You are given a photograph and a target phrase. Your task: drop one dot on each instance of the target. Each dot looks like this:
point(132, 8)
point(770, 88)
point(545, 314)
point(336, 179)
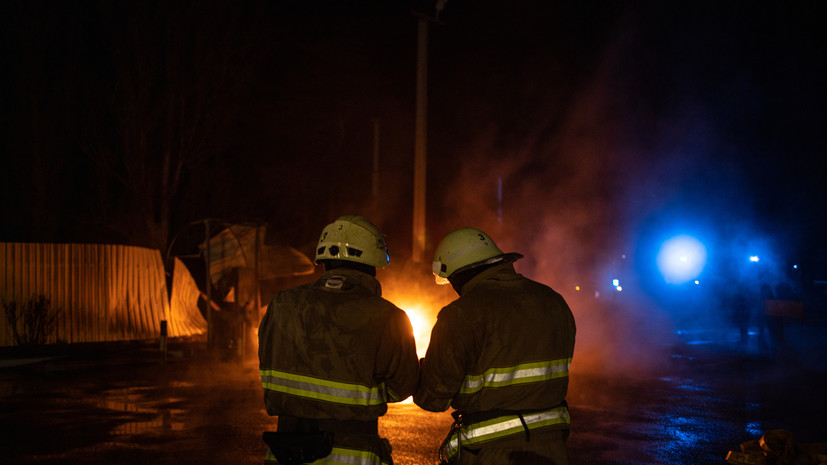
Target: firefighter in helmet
point(333, 352)
point(500, 356)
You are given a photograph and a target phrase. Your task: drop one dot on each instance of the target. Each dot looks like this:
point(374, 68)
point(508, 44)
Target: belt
point(476, 417)
point(478, 427)
point(300, 424)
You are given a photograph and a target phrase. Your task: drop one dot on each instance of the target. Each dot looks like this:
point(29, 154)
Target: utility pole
point(421, 131)
point(207, 260)
point(375, 181)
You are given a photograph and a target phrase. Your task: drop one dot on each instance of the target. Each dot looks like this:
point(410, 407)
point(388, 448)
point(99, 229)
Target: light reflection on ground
point(414, 433)
point(150, 416)
point(196, 409)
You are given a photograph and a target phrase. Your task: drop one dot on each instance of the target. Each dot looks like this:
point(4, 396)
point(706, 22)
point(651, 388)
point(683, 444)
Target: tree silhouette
point(170, 82)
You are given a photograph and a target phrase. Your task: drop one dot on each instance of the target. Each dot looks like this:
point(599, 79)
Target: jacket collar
point(501, 272)
point(351, 278)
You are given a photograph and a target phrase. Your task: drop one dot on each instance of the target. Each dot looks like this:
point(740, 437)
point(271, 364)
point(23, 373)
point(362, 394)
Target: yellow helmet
point(353, 238)
point(464, 249)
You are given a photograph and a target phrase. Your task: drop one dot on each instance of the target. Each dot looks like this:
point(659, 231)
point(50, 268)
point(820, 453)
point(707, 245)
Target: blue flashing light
point(615, 282)
point(754, 258)
point(681, 259)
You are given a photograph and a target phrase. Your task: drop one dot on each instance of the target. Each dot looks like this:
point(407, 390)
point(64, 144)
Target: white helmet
point(464, 249)
point(353, 238)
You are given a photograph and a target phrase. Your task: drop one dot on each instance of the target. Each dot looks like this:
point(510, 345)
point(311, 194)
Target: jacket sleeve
point(442, 371)
point(397, 365)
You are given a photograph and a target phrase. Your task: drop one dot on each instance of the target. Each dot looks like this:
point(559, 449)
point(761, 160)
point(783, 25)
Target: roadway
point(127, 404)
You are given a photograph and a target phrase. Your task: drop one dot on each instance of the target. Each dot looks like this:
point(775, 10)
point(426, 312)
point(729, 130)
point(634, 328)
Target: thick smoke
point(572, 193)
point(587, 176)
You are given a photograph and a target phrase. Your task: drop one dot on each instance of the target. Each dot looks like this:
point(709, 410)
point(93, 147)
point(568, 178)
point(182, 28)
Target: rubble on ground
point(777, 447)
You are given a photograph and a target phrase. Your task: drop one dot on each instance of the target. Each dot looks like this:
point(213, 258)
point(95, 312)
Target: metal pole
point(375, 184)
point(420, 141)
point(499, 199)
point(208, 284)
point(164, 340)
point(256, 289)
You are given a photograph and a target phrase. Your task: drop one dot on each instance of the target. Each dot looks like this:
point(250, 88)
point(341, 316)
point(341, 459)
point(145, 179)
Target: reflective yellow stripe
point(520, 374)
point(322, 389)
point(503, 426)
point(351, 456)
point(339, 455)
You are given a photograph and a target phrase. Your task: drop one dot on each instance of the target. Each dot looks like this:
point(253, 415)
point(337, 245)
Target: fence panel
point(105, 292)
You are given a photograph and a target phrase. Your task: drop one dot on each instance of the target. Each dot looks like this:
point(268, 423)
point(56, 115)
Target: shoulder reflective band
point(504, 426)
point(520, 374)
point(339, 455)
point(322, 389)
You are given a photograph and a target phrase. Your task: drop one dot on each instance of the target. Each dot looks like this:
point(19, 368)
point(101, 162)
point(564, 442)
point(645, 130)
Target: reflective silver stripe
point(520, 374)
point(504, 426)
point(322, 389)
point(340, 455)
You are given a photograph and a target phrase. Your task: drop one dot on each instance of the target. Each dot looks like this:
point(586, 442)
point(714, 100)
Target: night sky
point(602, 124)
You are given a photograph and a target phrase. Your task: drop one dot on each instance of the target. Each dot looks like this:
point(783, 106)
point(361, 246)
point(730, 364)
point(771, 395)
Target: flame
point(413, 290)
point(410, 286)
point(422, 323)
point(422, 320)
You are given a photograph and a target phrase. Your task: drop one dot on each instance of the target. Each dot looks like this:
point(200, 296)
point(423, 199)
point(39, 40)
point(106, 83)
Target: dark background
point(604, 123)
point(581, 134)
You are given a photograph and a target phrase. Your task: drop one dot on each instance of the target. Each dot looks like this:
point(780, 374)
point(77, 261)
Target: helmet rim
point(464, 249)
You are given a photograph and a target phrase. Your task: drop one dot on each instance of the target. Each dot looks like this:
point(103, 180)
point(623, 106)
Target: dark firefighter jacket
point(505, 344)
point(335, 349)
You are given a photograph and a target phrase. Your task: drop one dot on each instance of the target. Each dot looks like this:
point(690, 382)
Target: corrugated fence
point(105, 292)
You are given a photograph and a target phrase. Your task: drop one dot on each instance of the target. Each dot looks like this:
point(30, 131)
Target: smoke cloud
point(585, 184)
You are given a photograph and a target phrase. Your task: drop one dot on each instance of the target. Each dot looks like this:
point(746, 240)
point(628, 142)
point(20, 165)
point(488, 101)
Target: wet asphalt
point(134, 404)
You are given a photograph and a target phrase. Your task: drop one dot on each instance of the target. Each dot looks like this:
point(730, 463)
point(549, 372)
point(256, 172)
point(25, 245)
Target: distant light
point(754, 258)
point(623, 256)
point(619, 288)
point(576, 288)
point(615, 282)
point(697, 282)
point(681, 259)
point(795, 267)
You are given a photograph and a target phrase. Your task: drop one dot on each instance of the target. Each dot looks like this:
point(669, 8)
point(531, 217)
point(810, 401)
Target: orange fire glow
point(422, 319)
point(420, 298)
point(422, 322)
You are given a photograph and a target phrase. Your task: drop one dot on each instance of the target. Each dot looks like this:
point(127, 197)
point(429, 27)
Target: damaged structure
point(110, 292)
